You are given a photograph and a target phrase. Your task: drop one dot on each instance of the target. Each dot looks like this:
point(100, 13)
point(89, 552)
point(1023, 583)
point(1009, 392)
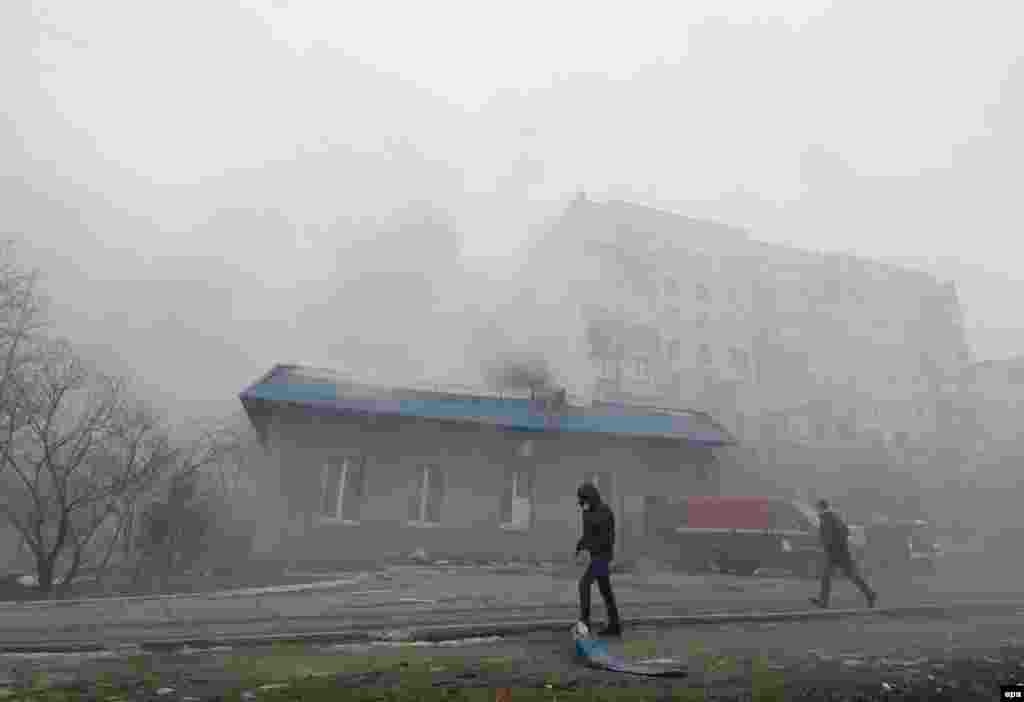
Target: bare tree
point(77, 451)
point(186, 520)
point(22, 320)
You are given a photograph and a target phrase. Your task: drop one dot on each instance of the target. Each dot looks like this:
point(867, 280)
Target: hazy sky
point(681, 101)
point(262, 136)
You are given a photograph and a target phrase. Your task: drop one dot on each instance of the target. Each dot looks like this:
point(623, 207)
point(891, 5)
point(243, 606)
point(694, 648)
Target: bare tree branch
point(93, 449)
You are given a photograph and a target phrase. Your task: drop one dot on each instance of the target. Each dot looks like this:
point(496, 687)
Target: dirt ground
point(880, 658)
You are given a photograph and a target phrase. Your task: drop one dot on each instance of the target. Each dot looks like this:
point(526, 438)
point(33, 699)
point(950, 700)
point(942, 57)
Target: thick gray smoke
point(519, 371)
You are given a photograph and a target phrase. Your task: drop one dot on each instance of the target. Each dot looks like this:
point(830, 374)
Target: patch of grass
point(139, 664)
point(322, 691)
point(289, 663)
point(766, 685)
point(497, 664)
point(640, 649)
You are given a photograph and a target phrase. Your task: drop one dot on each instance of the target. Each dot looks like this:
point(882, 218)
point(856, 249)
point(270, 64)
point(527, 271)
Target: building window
point(740, 360)
point(601, 339)
point(702, 320)
point(608, 368)
point(425, 503)
point(674, 312)
point(798, 427)
point(820, 431)
point(642, 368)
point(704, 357)
point(344, 489)
point(703, 293)
point(671, 286)
point(517, 501)
point(674, 350)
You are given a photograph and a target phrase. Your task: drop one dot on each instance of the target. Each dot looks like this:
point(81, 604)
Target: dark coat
point(835, 536)
point(598, 525)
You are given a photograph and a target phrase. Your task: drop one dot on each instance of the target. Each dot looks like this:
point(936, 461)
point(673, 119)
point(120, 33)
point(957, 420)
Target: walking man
point(598, 539)
point(835, 540)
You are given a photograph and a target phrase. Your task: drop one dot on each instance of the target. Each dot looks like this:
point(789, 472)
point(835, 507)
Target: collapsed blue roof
point(323, 391)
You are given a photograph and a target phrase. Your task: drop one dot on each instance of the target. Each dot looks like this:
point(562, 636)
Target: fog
point(212, 187)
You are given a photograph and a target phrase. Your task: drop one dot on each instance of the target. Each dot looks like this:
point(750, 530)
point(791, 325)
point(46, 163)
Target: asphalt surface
point(877, 657)
point(432, 596)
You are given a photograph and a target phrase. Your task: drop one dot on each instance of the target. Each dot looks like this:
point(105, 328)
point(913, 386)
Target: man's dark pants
point(842, 560)
point(598, 570)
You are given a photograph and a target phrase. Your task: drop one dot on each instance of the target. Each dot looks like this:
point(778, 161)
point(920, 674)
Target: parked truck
point(738, 535)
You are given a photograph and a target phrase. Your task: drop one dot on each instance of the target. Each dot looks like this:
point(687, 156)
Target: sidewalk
point(444, 593)
point(409, 589)
point(399, 589)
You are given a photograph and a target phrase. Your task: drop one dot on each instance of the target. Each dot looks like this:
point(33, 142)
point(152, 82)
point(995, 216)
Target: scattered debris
point(471, 641)
point(903, 663)
point(164, 691)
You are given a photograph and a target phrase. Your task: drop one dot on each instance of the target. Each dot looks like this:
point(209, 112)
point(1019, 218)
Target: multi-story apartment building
point(781, 345)
point(976, 479)
point(882, 342)
point(650, 320)
point(985, 417)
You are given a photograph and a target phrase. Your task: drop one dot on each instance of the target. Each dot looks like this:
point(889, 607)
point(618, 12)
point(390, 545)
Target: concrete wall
point(475, 461)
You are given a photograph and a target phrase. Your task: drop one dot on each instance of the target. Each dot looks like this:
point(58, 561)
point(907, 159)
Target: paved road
point(960, 658)
point(438, 595)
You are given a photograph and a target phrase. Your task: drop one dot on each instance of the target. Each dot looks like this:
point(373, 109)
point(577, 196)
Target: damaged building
point(369, 473)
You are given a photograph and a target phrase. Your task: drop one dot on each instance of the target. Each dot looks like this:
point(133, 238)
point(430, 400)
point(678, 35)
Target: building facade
point(845, 358)
point(364, 473)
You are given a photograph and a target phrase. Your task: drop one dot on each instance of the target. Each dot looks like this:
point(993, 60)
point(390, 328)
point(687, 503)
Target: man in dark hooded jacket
point(835, 541)
point(599, 540)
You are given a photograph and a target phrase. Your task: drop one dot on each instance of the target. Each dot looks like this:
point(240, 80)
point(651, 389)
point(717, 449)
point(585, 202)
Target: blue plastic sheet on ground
point(596, 655)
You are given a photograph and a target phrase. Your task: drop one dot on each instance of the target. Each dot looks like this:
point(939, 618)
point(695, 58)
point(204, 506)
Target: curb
point(449, 632)
point(309, 586)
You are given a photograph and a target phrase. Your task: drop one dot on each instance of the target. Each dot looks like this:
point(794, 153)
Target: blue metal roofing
point(323, 391)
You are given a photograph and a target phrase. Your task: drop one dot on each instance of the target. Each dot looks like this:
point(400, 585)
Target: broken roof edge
point(576, 401)
point(435, 387)
point(377, 393)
